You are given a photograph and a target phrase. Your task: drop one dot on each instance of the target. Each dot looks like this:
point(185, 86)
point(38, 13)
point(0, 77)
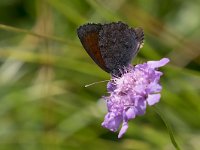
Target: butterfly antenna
point(96, 83)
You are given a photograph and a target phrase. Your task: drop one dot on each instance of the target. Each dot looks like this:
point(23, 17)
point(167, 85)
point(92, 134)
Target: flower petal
point(123, 129)
point(112, 122)
point(154, 87)
point(153, 99)
point(140, 107)
point(111, 87)
point(156, 64)
point(130, 113)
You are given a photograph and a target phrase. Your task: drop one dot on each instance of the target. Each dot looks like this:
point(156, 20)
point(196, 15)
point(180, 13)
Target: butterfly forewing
point(89, 37)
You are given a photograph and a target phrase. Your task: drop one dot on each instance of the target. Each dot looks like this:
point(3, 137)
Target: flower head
point(131, 93)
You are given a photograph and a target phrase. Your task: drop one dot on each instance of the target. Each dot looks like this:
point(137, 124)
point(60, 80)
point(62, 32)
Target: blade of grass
point(48, 37)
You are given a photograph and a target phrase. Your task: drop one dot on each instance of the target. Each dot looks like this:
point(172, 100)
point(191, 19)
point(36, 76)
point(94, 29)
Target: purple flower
point(131, 93)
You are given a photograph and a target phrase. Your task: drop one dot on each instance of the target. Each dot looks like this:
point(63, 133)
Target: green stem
point(169, 129)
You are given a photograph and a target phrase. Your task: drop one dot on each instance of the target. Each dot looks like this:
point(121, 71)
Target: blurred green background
point(43, 101)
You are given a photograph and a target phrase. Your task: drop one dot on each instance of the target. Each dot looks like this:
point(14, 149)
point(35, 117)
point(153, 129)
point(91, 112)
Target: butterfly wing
point(112, 46)
point(89, 37)
point(139, 36)
point(118, 45)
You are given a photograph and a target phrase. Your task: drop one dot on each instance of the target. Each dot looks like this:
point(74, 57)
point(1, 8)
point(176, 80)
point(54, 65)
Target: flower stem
point(169, 129)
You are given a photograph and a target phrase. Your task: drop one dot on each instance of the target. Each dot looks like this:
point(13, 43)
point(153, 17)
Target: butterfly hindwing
point(118, 45)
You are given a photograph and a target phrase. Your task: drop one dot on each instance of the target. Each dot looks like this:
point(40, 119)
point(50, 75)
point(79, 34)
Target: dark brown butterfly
point(112, 46)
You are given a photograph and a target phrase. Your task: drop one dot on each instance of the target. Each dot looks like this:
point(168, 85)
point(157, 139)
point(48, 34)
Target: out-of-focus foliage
point(43, 101)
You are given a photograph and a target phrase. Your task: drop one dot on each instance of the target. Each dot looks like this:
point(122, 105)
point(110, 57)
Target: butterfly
point(112, 46)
